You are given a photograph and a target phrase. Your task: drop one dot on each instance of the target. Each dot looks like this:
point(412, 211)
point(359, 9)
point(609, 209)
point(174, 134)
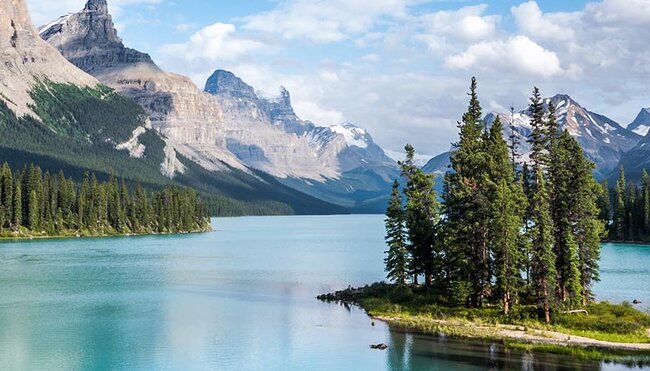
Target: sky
point(399, 68)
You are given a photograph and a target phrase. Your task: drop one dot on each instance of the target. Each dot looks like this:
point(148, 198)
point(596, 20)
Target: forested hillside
point(33, 203)
point(80, 129)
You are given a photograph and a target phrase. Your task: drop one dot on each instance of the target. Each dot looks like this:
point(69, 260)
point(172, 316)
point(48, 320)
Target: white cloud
point(325, 21)
point(620, 12)
point(518, 52)
point(207, 47)
point(44, 11)
point(531, 21)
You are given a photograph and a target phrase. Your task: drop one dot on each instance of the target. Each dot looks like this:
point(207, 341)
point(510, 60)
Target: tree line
point(626, 208)
point(37, 203)
point(507, 231)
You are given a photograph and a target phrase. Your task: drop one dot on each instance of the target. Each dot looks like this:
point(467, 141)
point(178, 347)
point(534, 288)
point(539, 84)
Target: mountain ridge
point(603, 140)
point(226, 125)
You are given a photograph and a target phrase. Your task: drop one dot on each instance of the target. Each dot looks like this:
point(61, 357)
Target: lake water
point(240, 298)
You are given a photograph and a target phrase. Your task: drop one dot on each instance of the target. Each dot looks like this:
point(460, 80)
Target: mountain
point(603, 140)
point(56, 115)
point(228, 126)
point(340, 163)
point(188, 118)
point(637, 159)
point(641, 125)
point(27, 60)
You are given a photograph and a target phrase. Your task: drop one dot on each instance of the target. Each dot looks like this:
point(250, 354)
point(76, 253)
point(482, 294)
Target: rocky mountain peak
point(641, 124)
point(89, 39)
point(100, 6)
point(225, 82)
point(26, 59)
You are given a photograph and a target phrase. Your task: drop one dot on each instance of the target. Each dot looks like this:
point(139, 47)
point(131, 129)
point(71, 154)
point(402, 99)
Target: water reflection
point(416, 352)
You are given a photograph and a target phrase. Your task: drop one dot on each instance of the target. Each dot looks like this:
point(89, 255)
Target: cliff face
point(90, 40)
point(26, 59)
point(190, 119)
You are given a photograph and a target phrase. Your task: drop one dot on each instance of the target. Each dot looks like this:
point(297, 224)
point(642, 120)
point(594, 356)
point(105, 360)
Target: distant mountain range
point(228, 125)
point(603, 140)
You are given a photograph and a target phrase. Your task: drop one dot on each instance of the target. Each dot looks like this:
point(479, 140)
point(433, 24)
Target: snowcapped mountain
point(340, 163)
point(603, 140)
point(641, 125)
point(419, 160)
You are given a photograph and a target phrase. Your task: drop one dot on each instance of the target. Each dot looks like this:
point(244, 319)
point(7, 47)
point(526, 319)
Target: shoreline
point(91, 236)
point(505, 333)
point(570, 335)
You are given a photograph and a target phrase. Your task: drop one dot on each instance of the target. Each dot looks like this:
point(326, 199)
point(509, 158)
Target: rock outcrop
point(188, 118)
point(26, 59)
point(641, 124)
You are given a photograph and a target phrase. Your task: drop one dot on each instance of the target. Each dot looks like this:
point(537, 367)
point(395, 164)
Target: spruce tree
point(466, 209)
point(508, 204)
point(7, 187)
point(562, 203)
point(604, 204)
point(619, 226)
point(589, 228)
point(422, 216)
point(17, 219)
point(543, 271)
point(396, 260)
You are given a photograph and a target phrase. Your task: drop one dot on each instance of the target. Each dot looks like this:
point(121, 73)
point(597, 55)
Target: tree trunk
point(547, 309)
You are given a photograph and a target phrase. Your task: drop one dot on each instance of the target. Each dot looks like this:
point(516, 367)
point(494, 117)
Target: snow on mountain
point(354, 136)
point(603, 140)
point(641, 125)
point(419, 160)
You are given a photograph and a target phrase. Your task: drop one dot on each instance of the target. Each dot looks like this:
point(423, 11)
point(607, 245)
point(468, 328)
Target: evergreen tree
point(422, 216)
point(562, 212)
point(619, 207)
point(508, 205)
point(543, 270)
point(604, 204)
point(7, 190)
point(397, 255)
point(466, 209)
point(589, 228)
point(17, 219)
point(33, 211)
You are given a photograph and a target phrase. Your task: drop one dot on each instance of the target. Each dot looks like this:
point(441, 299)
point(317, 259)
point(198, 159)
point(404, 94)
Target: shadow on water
point(409, 351)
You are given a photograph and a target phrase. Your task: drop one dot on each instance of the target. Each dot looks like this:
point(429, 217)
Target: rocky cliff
point(188, 118)
point(26, 59)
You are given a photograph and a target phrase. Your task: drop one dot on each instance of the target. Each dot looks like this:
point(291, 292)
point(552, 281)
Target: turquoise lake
point(240, 298)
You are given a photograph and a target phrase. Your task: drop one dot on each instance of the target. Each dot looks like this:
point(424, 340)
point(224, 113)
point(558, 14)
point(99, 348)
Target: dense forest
point(33, 203)
point(505, 233)
point(626, 208)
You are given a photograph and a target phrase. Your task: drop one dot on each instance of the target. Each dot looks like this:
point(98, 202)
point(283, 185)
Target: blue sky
point(399, 68)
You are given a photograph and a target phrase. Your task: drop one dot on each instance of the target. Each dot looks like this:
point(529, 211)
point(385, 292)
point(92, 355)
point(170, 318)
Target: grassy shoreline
point(17, 237)
point(612, 333)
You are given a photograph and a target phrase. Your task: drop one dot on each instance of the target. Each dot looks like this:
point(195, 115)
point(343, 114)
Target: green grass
point(429, 313)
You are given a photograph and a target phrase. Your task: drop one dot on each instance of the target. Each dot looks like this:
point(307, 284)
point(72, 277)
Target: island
point(37, 204)
point(510, 251)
